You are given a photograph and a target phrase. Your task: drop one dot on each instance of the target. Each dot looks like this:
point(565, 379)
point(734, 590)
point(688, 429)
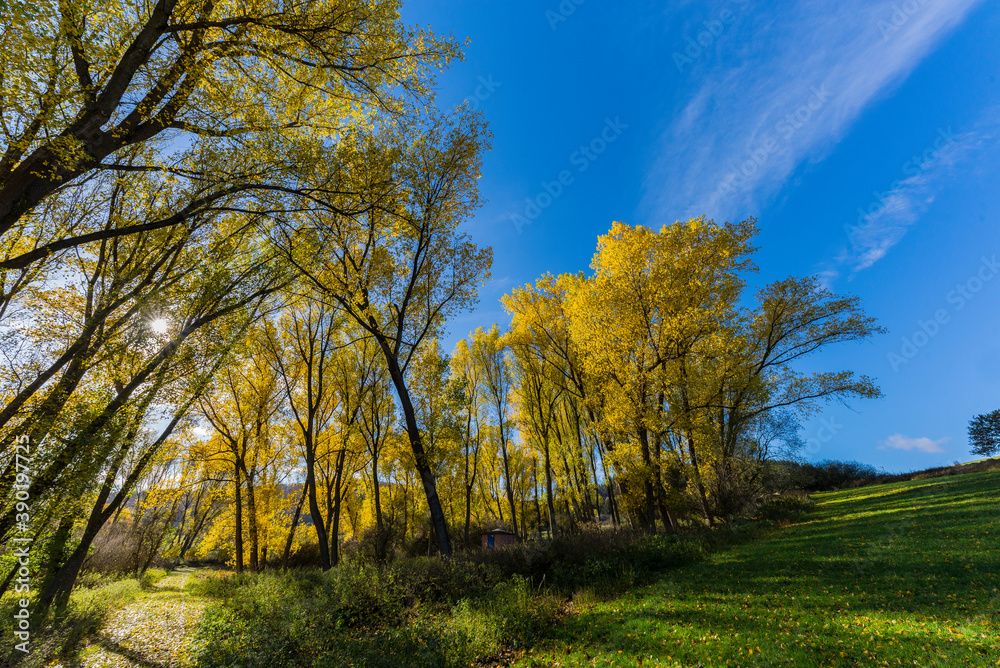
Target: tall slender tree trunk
point(692, 451)
point(669, 524)
point(193, 534)
point(584, 472)
point(571, 483)
point(570, 522)
point(252, 525)
point(550, 502)
point(468, 513)
point(291, 531)
point(538, 505)
point(495, 496)
point(524, 517)
point(613, 509)
point(569, 479)
point(316, 515)
point(507, 481)
point(647, 515)
point(406, 506)
point(338, 497)
point(238, 524)
point(61, 584)
point(467, 480)
point(468, 506)
point(419, 455)
point(376, 492)
point(57, 588)
point(702, 494)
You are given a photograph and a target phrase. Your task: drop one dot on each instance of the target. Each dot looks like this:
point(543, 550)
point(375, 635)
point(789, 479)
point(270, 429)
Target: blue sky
point(862, 134)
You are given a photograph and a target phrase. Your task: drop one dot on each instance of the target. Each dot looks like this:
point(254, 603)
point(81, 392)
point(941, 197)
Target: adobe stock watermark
point(582, 158)
point(562, 12)
point(900, 16)
point(22, 542)
point(957, 299)
point(484, 91)
point(914, 166)
point(829, 428)
point(709, 31)
point(786, 128)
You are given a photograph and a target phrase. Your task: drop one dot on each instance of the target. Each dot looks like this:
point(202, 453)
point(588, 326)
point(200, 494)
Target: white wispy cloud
point(805, 76)
point(923, 444)
point(882, 223)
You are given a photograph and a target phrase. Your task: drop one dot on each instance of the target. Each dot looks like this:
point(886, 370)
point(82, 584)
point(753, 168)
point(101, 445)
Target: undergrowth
point(475, 607)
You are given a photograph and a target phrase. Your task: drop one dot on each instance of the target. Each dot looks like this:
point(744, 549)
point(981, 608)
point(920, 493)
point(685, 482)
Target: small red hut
point(498, 538)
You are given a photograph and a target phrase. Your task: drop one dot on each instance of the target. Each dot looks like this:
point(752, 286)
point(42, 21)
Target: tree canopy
point(233, 236)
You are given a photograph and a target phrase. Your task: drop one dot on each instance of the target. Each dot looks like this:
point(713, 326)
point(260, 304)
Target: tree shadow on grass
point(752, 638)
point(912, 577)
point(113, 647)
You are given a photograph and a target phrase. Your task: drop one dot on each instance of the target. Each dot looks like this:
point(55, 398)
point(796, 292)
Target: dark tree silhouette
point(984, 433)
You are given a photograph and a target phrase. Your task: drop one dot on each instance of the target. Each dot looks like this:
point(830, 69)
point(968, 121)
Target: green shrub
point(826, 475)
point(428, 611)
point(355, 614)
point(782, 509)
point(510, 616)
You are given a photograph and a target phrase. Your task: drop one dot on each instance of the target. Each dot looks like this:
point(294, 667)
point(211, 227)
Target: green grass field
point(899, 574)
point(902, 574)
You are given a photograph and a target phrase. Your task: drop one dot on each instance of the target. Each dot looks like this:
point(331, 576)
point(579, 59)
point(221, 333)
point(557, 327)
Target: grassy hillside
point(898, 574)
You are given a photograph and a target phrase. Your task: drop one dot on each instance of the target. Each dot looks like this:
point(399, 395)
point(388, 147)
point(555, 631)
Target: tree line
point(232, 240)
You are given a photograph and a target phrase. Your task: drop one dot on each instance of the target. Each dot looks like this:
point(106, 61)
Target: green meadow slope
point(898, 574)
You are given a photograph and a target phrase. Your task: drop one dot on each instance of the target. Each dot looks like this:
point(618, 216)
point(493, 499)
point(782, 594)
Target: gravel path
point(153, 632)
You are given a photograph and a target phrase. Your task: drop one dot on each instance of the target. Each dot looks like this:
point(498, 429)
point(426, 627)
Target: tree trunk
point(60, 583)
point(7, 580)
point(192, 535)
point(376, 493)
point(59, 587)
point(406, 506)
point(469, 481)
point(702, 494)
point(238, 528)
point(291, 531)
point(524, 517)
point(538, 505)
point(252, 525)
point(583, 474)
point(613, 509)
point(669, 525)
point(506, 479)
point(338, 497)
point(419, 456)
point(468, 514)
point(316, 515)
point(494, 495)
point(56, 552)
point(647, 516)
point(548, 492)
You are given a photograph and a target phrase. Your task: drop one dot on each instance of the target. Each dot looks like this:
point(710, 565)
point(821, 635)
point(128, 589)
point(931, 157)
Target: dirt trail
point(153, 632)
